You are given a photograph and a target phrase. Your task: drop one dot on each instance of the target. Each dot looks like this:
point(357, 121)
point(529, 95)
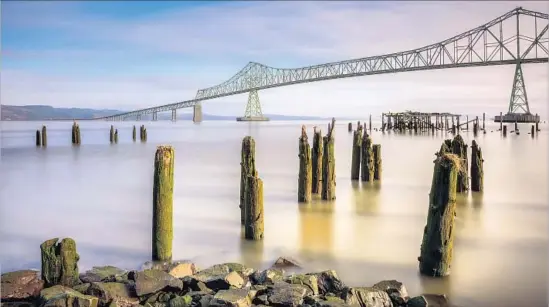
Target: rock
point(60, 296)
point(177, 269)
point(218, 269)
point(20, 285)
point(329, 282)
point(82, 288)
point(17, 304)
point(310, 281)
point(269, 276)
point(285, 262)
point(436, 300)
point(159, 298)
point(417, 301)
point(181, 301)
point(150, 281)
point(396, 290)
point(261, 300)
point(232, 298)
point(101, 273)
point(205, 300)
point(182, 270)
point(367, 297)
point(221, 281)
point(331, 301)
point(108, 292)
point(194, 284)
point(287, 295)
point(239, 268)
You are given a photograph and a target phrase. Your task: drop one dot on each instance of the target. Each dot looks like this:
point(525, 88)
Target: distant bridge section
point(498, 42)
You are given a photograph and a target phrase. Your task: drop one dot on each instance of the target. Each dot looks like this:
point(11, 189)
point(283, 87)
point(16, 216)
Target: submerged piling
point(59, 262)
point(438, 237)
point(73, 133)
point(505, 130)
point(254, 225)
point(477, 170)
point(367, 171)
point(162, 237)
point(116, 136)
point(459, 148)
point(134, 133)
point(350, 127)
point(317, 157)
point(111, 134)
point(305, 181)
point(38, 138)
point(328, 165)
point(44, 136)
point(376, 148)
point(357, 149)
point(247, 169)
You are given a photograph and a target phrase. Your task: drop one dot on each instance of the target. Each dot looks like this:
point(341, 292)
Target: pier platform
point(516, 117)
point(252, 119)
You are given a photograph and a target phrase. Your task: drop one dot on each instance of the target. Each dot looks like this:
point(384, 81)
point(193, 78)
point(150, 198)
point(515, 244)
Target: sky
point(135, 54)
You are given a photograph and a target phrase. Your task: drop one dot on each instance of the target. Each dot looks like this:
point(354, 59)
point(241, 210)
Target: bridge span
point(500, 41)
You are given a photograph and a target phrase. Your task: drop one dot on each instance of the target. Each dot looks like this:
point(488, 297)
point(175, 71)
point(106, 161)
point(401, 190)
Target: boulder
point(108, 292)
point(189, 282)
point(285, 262)
point(310, 281)
point(367, 297)
point(269, 276)
point(232, 298)
point(150, 281)
point(181, 301)
point(20, 285)
point(101, 273)
point(177, 269)
point(331, 301)
point(239, 268)
point(222, 281)
point(417, 301)
point(436, 300)
point(329, 282)
point(18, 304)
point(288, 295)
point(61, 296)
point(396, 290)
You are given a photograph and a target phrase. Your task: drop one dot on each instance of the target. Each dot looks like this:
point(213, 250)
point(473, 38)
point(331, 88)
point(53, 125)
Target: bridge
point(501, 41)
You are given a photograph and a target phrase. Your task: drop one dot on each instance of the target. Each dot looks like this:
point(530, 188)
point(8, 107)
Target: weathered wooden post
point(328, 165)
point(370, 124)
point(483, 121)
point(111, 134)
point(376, 148)
point(116, 135)
point(532, 131)
point(350, 127)
point(254, 225)
point(367, 171)
point(78, 139)
point(38, 138)
point(44, 136)
point(438, 235)
point(73, 133)
point(305, 180)
point(144, 134)
point(162, 228)
point(459, 148)
point(247, 169)
point(467, 119)
point(537, 122)
point(355, 158)
point(141, 128)
point(500, 121)
point(505, 130)
point(134, 133)
point(59, 262)
point(477, 170)
point(317, 155)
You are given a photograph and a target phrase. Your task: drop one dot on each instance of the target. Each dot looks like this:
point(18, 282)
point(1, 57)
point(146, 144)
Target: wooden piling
point(505, 130)
point(350, 127)
point(38, 138)
point(459, 148)
point(59, 262)
point(532, 131)
point(144, 134)
point(357, 149)
point(116, 136)
point(247, 169)
point(367, 171)
point(500, 121)
point(438, 236)
point(305, 180)
point(328, 165)
point(370, 124)
point(483, 121)
point(111, 135)
point(44, 136)
point(134, 133)
point(78, 138)
point(376, 148)
point(317, 155)
point(254, 225)
point(73, 133)
point(162, 228)
point(477, 170)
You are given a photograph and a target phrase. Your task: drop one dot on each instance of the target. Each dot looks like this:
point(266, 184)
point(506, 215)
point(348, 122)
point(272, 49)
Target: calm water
point(101, 196)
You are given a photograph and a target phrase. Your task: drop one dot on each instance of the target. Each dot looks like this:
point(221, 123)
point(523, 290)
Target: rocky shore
point(182, 284)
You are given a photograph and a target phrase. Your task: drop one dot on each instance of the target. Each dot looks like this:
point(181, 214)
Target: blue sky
point(127, 55)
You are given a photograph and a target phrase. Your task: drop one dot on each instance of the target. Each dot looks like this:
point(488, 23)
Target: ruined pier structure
point(419, 121)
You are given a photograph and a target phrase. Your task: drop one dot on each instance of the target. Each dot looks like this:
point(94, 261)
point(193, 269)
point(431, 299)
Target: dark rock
point(222, 281)
point(108, 292)
point(329, 282)
point(232, 298)
point(60, 296)
point(239, 268)
point(177, 269)
point(269, 276)
point(261, 300)
point(101, 273)
point(205, 300)
point(150, 281)
point(17, 304)
point(160, 297)
point(284, 294)
point(20, 285)
point(82, 288)
point(417, 301)
point(436, 300)
point(194, 284)
point(331, 301)
point(285, 262)
point(396, 290)
point(367, 297)
point(310, 281)
point(181, 301)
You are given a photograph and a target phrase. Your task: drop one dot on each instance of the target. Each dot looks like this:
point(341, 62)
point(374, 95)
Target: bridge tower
point(253, 111)
point(197, 113)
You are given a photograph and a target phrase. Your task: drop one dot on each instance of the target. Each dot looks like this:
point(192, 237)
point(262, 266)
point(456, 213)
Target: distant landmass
point(43, 112)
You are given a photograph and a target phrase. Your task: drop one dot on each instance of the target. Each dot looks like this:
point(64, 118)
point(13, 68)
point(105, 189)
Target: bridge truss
point(516, 38)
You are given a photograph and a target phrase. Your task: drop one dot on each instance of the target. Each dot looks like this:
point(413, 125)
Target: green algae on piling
point(317, 156)
point(162, 226)
point(376, 149)
point(328, 165)
point(367, 171)
point(477, 169)
point(247, 169)
point(254, 224)
point(356, 152)
point(59, 262)
point(305, 181)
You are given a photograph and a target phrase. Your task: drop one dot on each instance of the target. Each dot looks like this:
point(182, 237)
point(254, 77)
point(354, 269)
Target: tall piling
point(44, 136)
point(38, 138)
point(367, 171)
point(328, 165)
point(317, 156)
point(77, 132)
point(438, 238)
point(111, 134)
point(59, 262)
point(162, 225)
point(134, 133)
point(356, 151)
point(115, 136)
point(376, 148)
point(305, 180)
point(459, 148)
point(504, 130)
point(73, 133)
point(247, 169)
point(254, 225)
point(516, 126)
point(370, 124)
point(477, 170)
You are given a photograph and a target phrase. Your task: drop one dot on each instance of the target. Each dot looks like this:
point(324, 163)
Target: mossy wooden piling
point(143, 133)
point(44, 136)
point(328, 165)
point(356, 152)
point(254, 222)
point(305, 180)
point(75, 137)
point(115, 136)
point(477, 170)
point(438, 235)
point(367, 171)
point(376, 148)
point(162, 225)
point(459, 148)
point(134, 133)
point(78, 138)
point(317, 156)
point(59, 262)
point(38, 138)
point(111, 135)
point(247, 169)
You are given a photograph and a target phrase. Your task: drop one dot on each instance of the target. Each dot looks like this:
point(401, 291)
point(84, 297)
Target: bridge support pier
point(138, 117)
point(155, 116)
point(197, 113)
point(253, 109)
point(174, 115)
point(518, 102)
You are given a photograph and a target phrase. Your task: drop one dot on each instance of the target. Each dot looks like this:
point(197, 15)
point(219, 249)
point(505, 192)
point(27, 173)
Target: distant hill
point(42, 112)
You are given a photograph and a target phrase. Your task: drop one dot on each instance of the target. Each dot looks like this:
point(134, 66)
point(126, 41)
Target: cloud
point(186, 49)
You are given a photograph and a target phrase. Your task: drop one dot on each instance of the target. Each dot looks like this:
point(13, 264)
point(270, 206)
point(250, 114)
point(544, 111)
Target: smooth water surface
point(101, 195)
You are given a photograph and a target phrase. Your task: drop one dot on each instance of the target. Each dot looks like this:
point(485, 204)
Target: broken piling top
point(459, 148)
point(254, 219)
point(247, 169)
point(59, 262)
point(331, 128)
point(477, 169)
point(305, 181)
point(304, 132)
point(317, 158)
point(162, 225)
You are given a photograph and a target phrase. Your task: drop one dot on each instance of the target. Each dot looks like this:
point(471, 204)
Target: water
point(100, 195)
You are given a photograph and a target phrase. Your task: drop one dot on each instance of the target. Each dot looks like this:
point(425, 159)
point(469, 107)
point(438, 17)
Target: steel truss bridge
point(515, 38)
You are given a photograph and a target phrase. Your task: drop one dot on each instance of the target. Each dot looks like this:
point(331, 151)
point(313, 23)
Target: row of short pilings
point(143, 133)
point(113, 135)
point(366, 157)
point(41, 138)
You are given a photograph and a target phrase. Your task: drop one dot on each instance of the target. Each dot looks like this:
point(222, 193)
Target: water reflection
point(252, 252)
point(316, 227)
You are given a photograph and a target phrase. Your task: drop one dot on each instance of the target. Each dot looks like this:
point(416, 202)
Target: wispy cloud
point(166, 56)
